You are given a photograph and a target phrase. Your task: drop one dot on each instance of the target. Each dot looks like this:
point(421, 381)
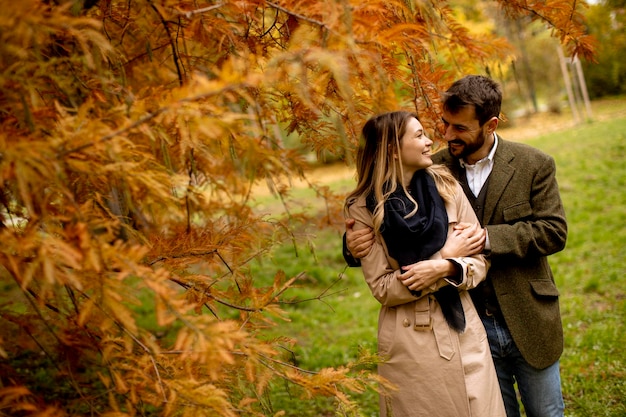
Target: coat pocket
point(518, 211)
point(544, 288)
point(386, 329)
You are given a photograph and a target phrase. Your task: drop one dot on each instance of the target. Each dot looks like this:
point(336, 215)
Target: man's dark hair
point(474, 90)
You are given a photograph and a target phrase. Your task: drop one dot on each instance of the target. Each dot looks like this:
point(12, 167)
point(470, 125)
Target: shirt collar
point(488, 158)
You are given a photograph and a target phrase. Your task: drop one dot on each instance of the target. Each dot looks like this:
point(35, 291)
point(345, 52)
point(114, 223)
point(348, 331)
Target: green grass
point(332, 315)
point(590, 271)
point(590, 274)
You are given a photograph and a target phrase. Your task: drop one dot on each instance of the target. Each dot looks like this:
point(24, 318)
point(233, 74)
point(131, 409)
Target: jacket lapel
point(500, 177)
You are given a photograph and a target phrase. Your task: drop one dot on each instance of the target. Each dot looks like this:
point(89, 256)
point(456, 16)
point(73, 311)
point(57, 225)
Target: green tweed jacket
point(525, 221)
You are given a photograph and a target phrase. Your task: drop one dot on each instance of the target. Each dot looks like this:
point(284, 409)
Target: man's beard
point(467, 149)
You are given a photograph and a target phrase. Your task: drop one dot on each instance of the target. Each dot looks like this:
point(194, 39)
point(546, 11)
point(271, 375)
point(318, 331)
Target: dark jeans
point(540, 389)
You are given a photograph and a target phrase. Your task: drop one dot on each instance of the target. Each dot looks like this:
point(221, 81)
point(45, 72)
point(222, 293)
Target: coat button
point(406, 323)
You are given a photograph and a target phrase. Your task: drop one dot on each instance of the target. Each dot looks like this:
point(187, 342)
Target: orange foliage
point(132, 133)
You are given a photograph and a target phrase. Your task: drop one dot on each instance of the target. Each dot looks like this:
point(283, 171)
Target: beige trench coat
point(437, 371)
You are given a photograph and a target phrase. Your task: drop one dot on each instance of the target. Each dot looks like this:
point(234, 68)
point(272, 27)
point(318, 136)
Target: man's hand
point(359, 242)
point(466, 239)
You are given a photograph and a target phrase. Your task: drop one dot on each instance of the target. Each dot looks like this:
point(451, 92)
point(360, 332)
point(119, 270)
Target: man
point(514, 192)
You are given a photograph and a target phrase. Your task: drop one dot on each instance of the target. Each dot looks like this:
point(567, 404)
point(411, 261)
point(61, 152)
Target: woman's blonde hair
point(379, 173)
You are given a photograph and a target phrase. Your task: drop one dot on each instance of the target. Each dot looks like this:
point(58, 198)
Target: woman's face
point(415, 148)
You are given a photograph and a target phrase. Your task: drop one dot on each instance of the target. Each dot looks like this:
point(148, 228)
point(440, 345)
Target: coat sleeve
point(535, 226)
point(381, 271)
point(473, 268)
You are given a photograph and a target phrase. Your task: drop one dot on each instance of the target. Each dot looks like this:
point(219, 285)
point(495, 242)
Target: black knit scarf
point(416, 238)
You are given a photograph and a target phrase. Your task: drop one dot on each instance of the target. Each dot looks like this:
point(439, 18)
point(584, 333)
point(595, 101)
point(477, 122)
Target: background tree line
point(606, 21)
point(132, 136)
point(533, 76)
point(530, 70)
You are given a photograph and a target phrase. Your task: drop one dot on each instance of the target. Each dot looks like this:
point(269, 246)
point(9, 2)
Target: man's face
point(464, 134)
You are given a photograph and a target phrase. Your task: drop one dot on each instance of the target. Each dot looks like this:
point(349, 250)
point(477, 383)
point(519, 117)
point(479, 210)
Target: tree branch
point(299, 16)
point(172, 43)
point(188, 14)
point(148, 117)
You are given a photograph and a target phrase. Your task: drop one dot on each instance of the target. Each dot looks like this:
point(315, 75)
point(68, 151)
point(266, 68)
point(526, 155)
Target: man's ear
point(492, 124)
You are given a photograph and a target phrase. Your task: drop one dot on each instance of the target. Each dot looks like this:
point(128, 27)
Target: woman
point(432, 342)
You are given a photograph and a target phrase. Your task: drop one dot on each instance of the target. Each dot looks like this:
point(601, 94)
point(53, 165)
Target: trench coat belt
point(441, 330)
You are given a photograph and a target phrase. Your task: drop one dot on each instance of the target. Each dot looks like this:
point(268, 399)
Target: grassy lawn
point(591, 170)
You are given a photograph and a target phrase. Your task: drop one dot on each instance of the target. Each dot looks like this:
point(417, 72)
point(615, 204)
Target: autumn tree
point(606, 20)
point(132, 134)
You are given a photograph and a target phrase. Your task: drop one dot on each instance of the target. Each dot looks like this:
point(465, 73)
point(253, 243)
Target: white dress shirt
point(478, 173)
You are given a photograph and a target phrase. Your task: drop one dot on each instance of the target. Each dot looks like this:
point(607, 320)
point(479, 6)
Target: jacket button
point(406, 323)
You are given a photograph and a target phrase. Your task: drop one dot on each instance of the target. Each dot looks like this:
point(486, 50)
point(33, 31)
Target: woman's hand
point(423, 274)
point(466, 239)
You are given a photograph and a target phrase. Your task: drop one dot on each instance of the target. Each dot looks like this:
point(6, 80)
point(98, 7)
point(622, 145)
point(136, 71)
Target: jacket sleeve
point(536, 225)
point(347, 256)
